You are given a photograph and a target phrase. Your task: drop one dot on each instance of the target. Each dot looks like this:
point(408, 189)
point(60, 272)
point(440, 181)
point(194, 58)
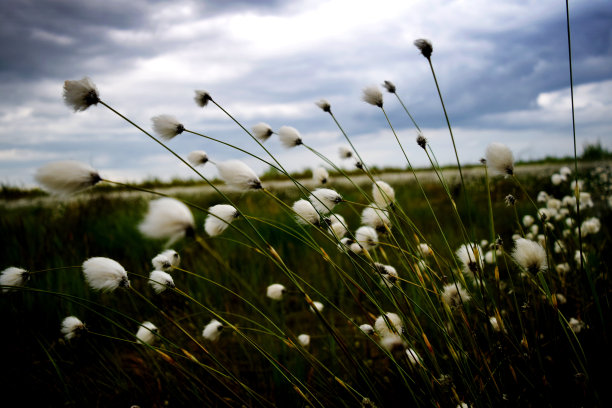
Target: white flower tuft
point(320, 175)
point(317, 305)
point(324, 199)
point(576, 325)
point(197, 158)
point(367, 329)
point(238, 175)
point(590, 226)
point(81, 94)
point(557, 179)
point(373, 96)
point(470, 256)
point(424, 249)
point(262, 131)
point(324, 105)
point(219, 218)
point(345, 152)
point(167, 126)
point(366, 237)
point(167, 218)
point(166, 260)
point(383, 194)
point(392, 325)
point(528, 221)
point(212, 330)
point(392, 342)
point(71, 326)
point(146, 333)
point(175, 258)
point(276, 291)
point(454, 294)
point(565, 171)
point(13, 276)
point(66, 177)
point(289, 136)
point(202, 98)
point(337, 226)
point(376, 218)
point(413, 357)
point(304, 340)
point(529, 255)
point(105, 274)
point(500, 159)
point(160, 281)
point(305, 213)
point(388, 273)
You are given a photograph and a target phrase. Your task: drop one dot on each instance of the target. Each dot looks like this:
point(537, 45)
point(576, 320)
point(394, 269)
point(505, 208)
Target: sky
point(502, 67)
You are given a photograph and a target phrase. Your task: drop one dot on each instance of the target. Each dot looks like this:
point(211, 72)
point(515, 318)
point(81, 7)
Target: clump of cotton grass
point(276, 291)
point(316, 305)
point(376, 218)
point(289, 136)
point(367, 329)
point(71, 327)
point(166, 260)
point(528, 221)
point(424, 46)
point(421, 141)
point(324, 105)
point(320, 175)
point(80, 94)
point(470, 256)
point(576, 325)
point(388, 324)
point(212, 331)
point(160, 281)
point(412, 356)
point(198, 158)
point(373, 96)
point(13, 276)
point(304, 340)
point(337, 225)
point(167, 218)
point(393, 343)
point(590, 226)
point(424, 249)
point(66, 177)
point(105, 274)
point(238, 175)
point(389, 86)
point(348, 244)
point(529, 255)
point(500, 158)
point(557, 179)
point(324, 199)
point(366, 237)
point(146, 333)
point(167, 126)
point(262, 131)
point(219, 218)
point(305, 213)
point(383, 194)
point(388, 274)
point(202, 98)
point(454, 294)
point(345, 152)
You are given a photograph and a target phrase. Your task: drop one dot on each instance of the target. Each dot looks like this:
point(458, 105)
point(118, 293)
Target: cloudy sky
point(502, 67)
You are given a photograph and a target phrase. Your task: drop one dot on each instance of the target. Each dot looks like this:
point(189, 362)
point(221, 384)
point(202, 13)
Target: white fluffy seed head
point(305, 213)
point(557, 179)
point(173, 256)
point(590, 226)
point(80, 94)
point(146, 333)
point(71, 326)
point(197, 158)
point(276, 291)
point(500, 159)
point(383, 194)
point(324, 105)
point(202, 98)
point(576, 325)
point(345, 152)
point(262, 131)
point(413, 357)
point(565, 171)
point(160, 281)
point(238, 175)
point(470, 256)
point(454, 294)
point(392, 325)
point(161, 262)
point(529, 255)
point(105, 274)
point(324, 199)
point(528, 221)
point(392, 343)
point(66, 177)
point(13, 276)
point(316, 305)
point(304, 340)
point(167, 126)
point(320, 175)
point(424, 249)
point(212, 330)
point(167, 218)
point(373, 96)
point(219, 218)
point(366, 237)
point(337, 226)
point(289, 136)
point(388, 274)
point(376, 218)
point(367, 329)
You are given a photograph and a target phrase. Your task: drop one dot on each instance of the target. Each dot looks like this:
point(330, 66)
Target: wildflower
point(556, 179)
point(454, 294)
point(71, 327)
point(424, 46)
point(146, 333)
point(413, 357)
point(304, 340)
point(421, 141)
point(530, 255)
point(262, 131)
point(576, 325)
point(392, 342)
point(547, 213)
point(590, 226)
point(289, 136)
point(66, 177)
point(105, 274)
point(198, 158)
point(202, 98)
point(324, 199)
point(212, 330)
point(160, 281)
point(388, 324)
point(424, 249)
point(388, 274)
point(320, 175)
point(317, 305)
point(389, 86)
point(238, 175)
point(349, 244)
point(163, 262)
point(324, 105)
point(345, 152)
point(528, 221)
point(80, 94)
point(367, 329)
point(13, 276)
point(337, 225)
point(366, 237)
point(276, 291)
point(373, 96)
point(376, 218)
point(167, 126)
point(173, 256)
point(383, 194)
point(470, 256)
point(500, 158)
point(219, 218)
point(510, 200)
point(305, 212)
point(167, 218)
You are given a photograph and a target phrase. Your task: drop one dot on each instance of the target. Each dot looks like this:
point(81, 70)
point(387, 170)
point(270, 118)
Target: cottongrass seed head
point(219, 218)
point(262, 131)
point(373, 96)
point(471, 257)
point(376, 218)
point(202, 98)
point(324, 105)
point(13, 276)
point(289, 136)
point(238, 175)
point(424, 46)
point(167, 218)
point(160, 281)
point(80, 94)
point(66, 177)
point(316, 305)
point(320, 175)
point(105, 274)
point(337, 226)
point(383, 194)
point(390, 326)
point(421, 141)
point(276, 291)
point(305, 213)
point(167, 126)
point(529, 255)
point(389, 86)
point(412, 356)
point(71, 327)
point(166, 260)
point(367, 329)
point(454, 294)
point(388, 274)
point(500, 158)
point(324, 199)
point(345, 152)
point(304, 340)
point(366, 237)
point(197, 158)
point(212, 331)
point(393, 343)
point(146, 333)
